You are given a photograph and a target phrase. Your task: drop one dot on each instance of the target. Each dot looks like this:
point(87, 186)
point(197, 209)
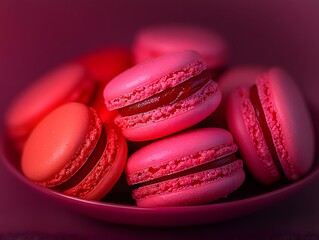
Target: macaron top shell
point(60, 144)
point(178, 153)
point(163, 39)
point(67, 83)
point(151, 77)
point(292, 128)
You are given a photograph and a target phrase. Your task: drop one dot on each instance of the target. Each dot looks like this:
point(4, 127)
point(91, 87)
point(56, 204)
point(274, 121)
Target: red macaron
point(67, 83)
point(71, 151)
point(272, 126)
point(193, 167)
point(162, 96)
point(104, 64)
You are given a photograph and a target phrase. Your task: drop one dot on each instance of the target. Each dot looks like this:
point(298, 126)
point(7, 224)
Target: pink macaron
point(67, 83)
point(153, 41)
point(72, 152)
point(162, 96)
point(272, 126)
point(193, 167)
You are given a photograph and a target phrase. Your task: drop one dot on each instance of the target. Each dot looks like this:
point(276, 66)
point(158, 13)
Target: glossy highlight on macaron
point(162, 96)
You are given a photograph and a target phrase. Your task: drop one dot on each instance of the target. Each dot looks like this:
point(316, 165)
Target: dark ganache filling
point(168, 96)
point(88, 166)
point(207, 166)
point(254, 98)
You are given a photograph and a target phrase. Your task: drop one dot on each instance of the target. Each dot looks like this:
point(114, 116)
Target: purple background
point(36, 35)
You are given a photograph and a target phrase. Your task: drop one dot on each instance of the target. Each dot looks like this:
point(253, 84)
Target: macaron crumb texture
point(158, 115)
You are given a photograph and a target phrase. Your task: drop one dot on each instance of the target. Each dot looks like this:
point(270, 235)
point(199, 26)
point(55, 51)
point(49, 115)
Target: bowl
point(257, 33)
point(118, 207)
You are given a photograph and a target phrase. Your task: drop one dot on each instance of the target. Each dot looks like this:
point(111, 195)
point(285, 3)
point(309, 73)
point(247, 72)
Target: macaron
point(156, 40)
point(72, 152)
point(162, 96)
point(194, 167)
point(272, 126)
point(234, 77)
point(67, 83)
point(104, 64)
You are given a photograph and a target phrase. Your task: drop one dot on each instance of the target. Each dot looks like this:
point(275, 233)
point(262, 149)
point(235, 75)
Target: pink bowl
point(272, 38)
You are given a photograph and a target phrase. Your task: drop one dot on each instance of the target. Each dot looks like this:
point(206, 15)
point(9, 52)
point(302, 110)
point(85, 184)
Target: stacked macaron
point(193, 123)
